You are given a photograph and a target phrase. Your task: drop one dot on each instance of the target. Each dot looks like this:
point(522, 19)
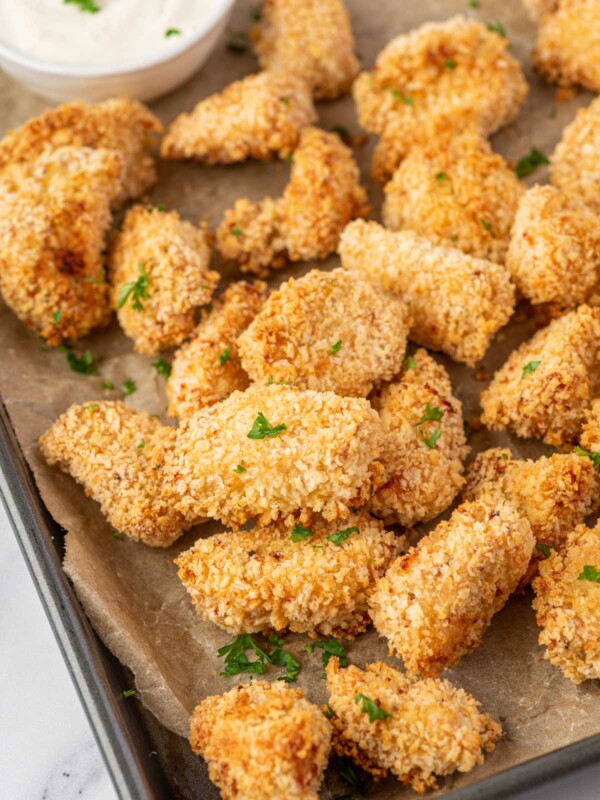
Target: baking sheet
point(131, 592)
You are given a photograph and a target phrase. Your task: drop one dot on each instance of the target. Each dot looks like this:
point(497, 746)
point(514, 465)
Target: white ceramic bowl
point(142, 79)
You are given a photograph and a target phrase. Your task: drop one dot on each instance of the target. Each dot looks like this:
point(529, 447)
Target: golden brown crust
point(576, 160)
point(536, 9)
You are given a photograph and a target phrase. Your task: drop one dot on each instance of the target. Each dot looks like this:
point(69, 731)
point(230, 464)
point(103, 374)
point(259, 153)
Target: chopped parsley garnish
point(431, 413)
point(128, 386)
point(162, 367)
point(467, 430)
point(225, 356)
point(529, 368)
point(236, 660)
point(237, 43)
point(91, 407)
point(300, 533)
point(116, 535)
point(497, 27)
point(487, 225)
point(172, 32)
point(339, 537)
point(589, 573)
point(347, 772)
point(342, 132)
point(236, 230)
point(108, 385)
point(330, 647)
point(137, 290)
point(160, 207)
point(207, 307)
point(545, 549)
point(594, 457)
point(141, 445)
point(283, 658)
point(255, 14)
point(529, 163)
point(127, 693)
point(472, 4)
point(263, 428)
point(56, 317)
point(335, 348)
point(239, 469)
point(430, 440)
point(397, 95)
point(328, 711)
point(84, 5)
point(504, 456)
point(285, 100)
point(83, 364)
point(449, 63)
point(371, 708)
point(272, 382)
point(441, 176)
point(409, 363)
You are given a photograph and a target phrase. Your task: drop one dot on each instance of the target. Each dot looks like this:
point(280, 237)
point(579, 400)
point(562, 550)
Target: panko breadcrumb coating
point(546, 385)
point(118, 124)
point(54, 215)
point(590, 435)
point(457, 303)
point(171, 258)
point(423, 458)
point(441, 76)
point(433, 728)
point(435, 603)
point(568, 605)
point(108, 448)
point(253, 118)
point(263, 741)
point(327, 331)
point(309, 38)
point(576, 160)
point(455, 191)
point(269, 578)
point(207, 368)
point(554, 252)
point(322, 196)
point(537, 8)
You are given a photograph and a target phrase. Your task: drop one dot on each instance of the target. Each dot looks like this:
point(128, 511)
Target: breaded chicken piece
point(159, 274)
point(54, 215)
point(118, 124)
point(108, 447)
point(567, 602)
point(309, 38)
point(457, 303)
point(327, 331)
point(554, 252)
point(322, 196)
point(567, 49)
point(316, 579)
point(425, 444)
point(546, 385)
point(207, 368)
point(442, 76)
point(435, 603)
point(590, 435)
point(455, 191)
point(299, 450)
point(576, 160)
point(536, 9)
point(425, 728)
point(253, 118)
point(263, 741)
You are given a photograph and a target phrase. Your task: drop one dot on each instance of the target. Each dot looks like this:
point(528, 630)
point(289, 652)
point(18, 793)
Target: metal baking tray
point(146, 761)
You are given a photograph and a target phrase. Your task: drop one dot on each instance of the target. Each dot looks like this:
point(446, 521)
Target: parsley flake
point(300, 533)
point(285, 100)
point(450, 63)
point(236, 660)
point(84, 364)
point(594, 457)
point(128, 386)
point(409, 363)
point(236, 230)
point(472, 4)
point(262, 428)
point(441, 176)
point(467, 430)
point(127, 693)
point(137, 290)
point(339, 537)
point(239, 469)
point(56, 317)
point(172, 32)
point(331, 647)
point(342, 132)
point(84, 5)
point(283, 658)
point(430, 440)
point(487, 225)
point(116, 535)
point(160, 207)
point(545, 549)
point(91, 407)
point(272, 382)
point(225, 356)
point(162, 367)
point(256, 14)
point(237, 43)
point(529, 163)
point(108, 385)
point(529, 368)
point(328, 711)
point(397, 95)
point(371, 708)
point(589, 573)
point(497, 27)
point(335, 348)
point(431, 413)
point(141, 445)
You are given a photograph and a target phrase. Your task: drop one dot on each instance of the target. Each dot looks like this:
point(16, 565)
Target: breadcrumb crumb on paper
point(327, 331)
point(435, 603)
point(457, 303)
point(434, 728)
point(576, 160)
point(255, 117)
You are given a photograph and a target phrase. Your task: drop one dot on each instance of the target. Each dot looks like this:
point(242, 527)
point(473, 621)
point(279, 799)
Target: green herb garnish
point(272, 382)
point(545, 549)
point(127, 693)
point(108, 385)
point(283, 658)
point(236, 230)
point(128, 386)
point(371, 708)
point(162, 367)
point(137, 290)
point(225, 356)
point(529, 368)
point(84, 364)
point(449, 63)
point(529, 163)
point(236, 660)
point(431, 413)
point(300, 533)
point(141, 445)
point(497, 27)
point(262, 428)
point(56, 317)
point(441, 176)
point(239, 469)
point(339, 537)
point(172, 32)
point(285, 100)
point(409, 363)
point(331, 647)
point(594, 457)
point(397, 95)
point(589, 573)
point(237, 43)
point(335, 348)
point(487, 225)
point(430, 440)
point(84, 5)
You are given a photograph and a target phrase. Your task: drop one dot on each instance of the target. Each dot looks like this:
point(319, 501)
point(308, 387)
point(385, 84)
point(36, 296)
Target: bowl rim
point(115, 68)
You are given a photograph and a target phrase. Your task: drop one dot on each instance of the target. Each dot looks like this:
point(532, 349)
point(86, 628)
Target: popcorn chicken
point(263, 741)
point(327, 331)
point(457, 303)
point(322, 196)
point(253, 118)
point(159, 271)
point(386, 720)
point(576, 160)
point(309, 38)
point(435, 603)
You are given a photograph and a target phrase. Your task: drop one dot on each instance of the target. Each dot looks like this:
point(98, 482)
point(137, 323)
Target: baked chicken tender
point(159, 274)
point(424, 446)
point(576, 160)
point(432, 728)
point(545, 387)
point(253, 118)
point(457, 303)
point(263, 741)
point(442, 76)
point(554, 252)
point(327, 331)
point(322, 196)
point(118, 124)
point(207, 368)
point(309, 38)
point(270, 578)
point(436, 602)
point(455, 191)
point(568, 605)
point(54, 215)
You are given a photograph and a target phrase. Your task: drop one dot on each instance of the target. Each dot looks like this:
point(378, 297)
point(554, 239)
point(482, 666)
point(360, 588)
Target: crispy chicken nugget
point(208, 368)
point(576, 160)
point(567, 601)
point(545, 387)
point(554, 252)
point(252, 118)
point(322, 196)
point(309, 38)
point(159, 274)
point(425, 444)
point(54, 215)
point(457, 303)
point(118, 124)
point(327, 331)
point(455, 191)
point(263, 741)
point(315, 579)
point(386, 720)
point(435, 603)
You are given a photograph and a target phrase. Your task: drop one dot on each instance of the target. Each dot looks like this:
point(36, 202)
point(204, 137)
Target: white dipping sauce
point(122, 30)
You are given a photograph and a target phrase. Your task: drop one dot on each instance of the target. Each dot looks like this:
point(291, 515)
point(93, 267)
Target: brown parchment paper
point(130, 592)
